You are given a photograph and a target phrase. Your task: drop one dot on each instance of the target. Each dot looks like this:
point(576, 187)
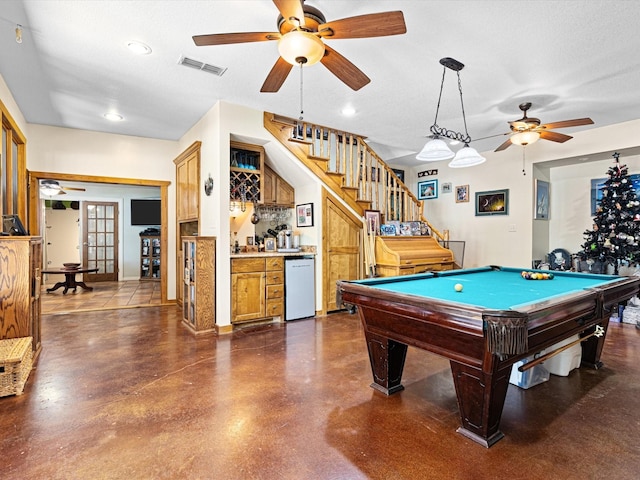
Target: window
point(13, 172)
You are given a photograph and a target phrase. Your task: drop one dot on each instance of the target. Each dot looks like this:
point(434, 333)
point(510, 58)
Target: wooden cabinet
point(245, 172)
point(188, 183)
point(257, 288)
point(406, 255)
point(275, 190)
point(199, 283)
point(20, 282)
point(149, 257)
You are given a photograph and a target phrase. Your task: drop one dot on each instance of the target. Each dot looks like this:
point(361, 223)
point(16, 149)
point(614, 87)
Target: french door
point(100, 240)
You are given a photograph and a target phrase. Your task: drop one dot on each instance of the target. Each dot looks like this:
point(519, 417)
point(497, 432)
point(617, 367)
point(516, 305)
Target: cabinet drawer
point(275, 263)
point(275, 278)
point(275, 308)
point(246, 265)
point(275, 291)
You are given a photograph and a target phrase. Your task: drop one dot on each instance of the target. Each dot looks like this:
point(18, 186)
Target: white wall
point(570, 213)
point(215, 130)
point(65, 150)
point(509, 239)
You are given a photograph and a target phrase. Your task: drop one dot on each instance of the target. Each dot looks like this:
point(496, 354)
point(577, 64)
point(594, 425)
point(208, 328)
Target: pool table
point(497, 319)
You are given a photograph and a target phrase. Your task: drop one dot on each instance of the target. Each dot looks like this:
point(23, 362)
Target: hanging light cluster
point(436, 149)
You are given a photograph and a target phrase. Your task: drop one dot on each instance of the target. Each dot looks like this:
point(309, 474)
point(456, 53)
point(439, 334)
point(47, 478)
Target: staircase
point(350, 168)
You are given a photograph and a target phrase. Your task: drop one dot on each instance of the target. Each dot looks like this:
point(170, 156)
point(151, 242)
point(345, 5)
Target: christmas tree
point(615, 237)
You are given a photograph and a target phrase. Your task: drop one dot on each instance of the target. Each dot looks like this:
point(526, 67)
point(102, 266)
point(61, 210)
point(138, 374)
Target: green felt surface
point(492, 289)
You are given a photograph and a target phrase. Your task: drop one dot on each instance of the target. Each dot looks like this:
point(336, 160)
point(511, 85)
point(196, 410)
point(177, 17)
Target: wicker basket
point(15, 365)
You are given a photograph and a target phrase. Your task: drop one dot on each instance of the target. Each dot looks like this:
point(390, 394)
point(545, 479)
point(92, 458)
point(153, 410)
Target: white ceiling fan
point(53, 187)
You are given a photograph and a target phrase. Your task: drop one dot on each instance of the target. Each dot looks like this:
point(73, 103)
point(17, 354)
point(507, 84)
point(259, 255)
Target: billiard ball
point(458, 287)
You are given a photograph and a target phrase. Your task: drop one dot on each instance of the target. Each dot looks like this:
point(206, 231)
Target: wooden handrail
point(345, 162)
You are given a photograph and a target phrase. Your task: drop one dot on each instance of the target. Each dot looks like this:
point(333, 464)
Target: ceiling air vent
point(205, 67)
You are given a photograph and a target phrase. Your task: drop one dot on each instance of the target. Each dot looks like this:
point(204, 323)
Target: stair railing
point(347, 164)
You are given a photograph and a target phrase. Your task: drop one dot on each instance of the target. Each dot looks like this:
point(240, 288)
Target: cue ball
point(458, 287)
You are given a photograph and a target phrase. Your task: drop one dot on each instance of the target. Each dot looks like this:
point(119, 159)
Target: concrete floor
point(131, 394)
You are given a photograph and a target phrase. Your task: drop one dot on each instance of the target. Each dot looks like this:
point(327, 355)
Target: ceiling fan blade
point(344, 69)
point(365, 26)
point(554, 136)
point(277, 76)
point(74, 188)
point(568, 123)
point(227, 38)
point(291, 8)
point(504, 146)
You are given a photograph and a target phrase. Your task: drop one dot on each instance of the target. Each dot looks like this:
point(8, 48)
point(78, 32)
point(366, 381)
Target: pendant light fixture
point(436, 149)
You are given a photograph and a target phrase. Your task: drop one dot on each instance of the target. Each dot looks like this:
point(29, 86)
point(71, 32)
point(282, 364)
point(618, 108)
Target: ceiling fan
point(301, 31)
point(528, 130)
point(53, 187)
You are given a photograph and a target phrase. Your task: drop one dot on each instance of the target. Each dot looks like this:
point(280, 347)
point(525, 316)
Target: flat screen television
point(145, 212)
point(12, 225)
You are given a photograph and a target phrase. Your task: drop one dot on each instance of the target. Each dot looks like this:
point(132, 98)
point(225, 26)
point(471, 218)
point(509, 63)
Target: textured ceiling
point(571, 59)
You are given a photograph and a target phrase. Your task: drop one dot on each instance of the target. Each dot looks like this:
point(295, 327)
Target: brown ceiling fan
point(528, 130)
point(301, 31)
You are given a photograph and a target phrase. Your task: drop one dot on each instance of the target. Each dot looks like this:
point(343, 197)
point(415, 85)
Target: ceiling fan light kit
point(528, 130)
point(436, 149)
point(525, 138)
point(302, 30)
point(298, 47)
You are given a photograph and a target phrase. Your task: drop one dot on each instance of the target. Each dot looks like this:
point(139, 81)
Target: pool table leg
point(387, 362)
point(592, 347)
point(481, 397)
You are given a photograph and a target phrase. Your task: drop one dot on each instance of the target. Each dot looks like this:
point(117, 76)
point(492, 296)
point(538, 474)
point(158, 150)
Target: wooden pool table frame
point(392, 321)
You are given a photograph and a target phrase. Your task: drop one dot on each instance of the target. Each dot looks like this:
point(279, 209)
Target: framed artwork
point(542, 200)
point(304, 215)
point(462, 193)
point(427, 189)
point(269, 244)
point(249, 240)
point(446, 187)
point(387, 230)
point(495, 202)
point(373, 219)
point(399, 174)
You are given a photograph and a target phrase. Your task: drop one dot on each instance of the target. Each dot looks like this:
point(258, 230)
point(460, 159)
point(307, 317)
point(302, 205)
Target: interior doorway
point(100, 240)
point(36, 212)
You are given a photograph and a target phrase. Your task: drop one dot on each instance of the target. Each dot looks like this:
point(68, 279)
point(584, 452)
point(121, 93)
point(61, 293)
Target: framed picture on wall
point(304, 215)
point(495, 202)
point(373, 219)
point(542, 200)
point(427, 189)
point(462, 193)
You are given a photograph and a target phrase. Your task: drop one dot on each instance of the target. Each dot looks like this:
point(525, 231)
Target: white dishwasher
point(299, 288)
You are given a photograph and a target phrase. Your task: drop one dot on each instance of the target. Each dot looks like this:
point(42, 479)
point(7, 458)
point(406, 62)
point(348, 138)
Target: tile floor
point(104, 296)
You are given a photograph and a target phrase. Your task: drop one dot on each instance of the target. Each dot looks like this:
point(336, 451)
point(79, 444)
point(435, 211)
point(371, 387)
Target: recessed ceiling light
point(139, 48)
point(348, 111)
point(113, 117)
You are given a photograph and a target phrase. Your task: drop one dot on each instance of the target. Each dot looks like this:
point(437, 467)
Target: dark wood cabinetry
point(150, 257)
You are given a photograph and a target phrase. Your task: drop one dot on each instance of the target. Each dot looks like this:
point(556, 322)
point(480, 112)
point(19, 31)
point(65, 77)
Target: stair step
point(365, 204)
point(299, 140)
point(351, 191)
point(336, 177)
point(319, 159)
